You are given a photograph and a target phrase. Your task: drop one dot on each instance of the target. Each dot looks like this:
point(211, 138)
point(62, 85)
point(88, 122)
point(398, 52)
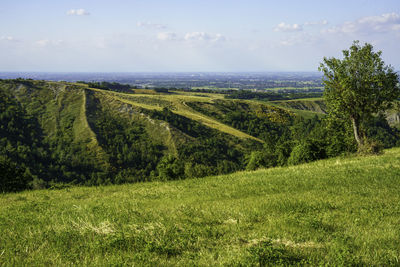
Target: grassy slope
point(342, 211)
point(309, 107)
point(157, 131)
point(306, 107)
point(60, 108)
point(177, 103)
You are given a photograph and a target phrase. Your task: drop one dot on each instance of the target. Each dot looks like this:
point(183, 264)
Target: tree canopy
point(358, 86)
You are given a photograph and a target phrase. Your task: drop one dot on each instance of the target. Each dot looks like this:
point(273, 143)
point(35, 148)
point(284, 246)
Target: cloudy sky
point(191, 35)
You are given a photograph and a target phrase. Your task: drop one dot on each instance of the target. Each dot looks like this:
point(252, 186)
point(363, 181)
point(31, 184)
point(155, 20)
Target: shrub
point(255, 161)
point(170, 168)
point(306, 151)
point(197, 170)
point(370, 147)
point(12, 177)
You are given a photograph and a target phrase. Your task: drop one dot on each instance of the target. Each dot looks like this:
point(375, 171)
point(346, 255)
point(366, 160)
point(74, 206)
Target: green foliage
point(311, 139)
point(129, 149)
point(12, 177)
point(358, 86)
point(21, 148)
point(210, 153)
point(61, 134)
point(255, 161)
point(184, 124)
point(267, 123)
point(370, 147)
point(161, 90)
point(338, 137)
point(314, 106)
point(210, 156)
point(270, 96)
point(170, 168)
point(124, 88)
point(306, 151)
point(379, 130)
point(269, 156)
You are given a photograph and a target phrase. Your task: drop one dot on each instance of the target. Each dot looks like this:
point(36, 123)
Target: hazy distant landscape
point(310, 81)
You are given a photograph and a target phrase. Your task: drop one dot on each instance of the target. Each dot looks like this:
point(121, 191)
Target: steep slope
point(67, 141)
point(266, 122)
point(306, 108)
point(177, 102)
point(94, 136)
point(316, 106)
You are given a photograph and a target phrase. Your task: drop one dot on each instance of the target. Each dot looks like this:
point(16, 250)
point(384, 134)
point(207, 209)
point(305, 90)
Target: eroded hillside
point(97, 136)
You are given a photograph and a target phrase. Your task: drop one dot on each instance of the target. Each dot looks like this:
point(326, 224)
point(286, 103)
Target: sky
point(191, 35)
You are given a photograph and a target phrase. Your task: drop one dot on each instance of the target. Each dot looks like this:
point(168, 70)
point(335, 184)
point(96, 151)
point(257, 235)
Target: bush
point(12, 177)
point(197, 170)
point(370, 147)
point(170, 168)
point(283, 150)
point(255, 161)
point(306, 151)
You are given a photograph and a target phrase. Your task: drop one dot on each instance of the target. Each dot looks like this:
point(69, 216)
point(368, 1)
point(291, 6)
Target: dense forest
point(54, 134)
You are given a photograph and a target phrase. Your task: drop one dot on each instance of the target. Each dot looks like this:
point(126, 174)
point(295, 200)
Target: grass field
point(340, 212)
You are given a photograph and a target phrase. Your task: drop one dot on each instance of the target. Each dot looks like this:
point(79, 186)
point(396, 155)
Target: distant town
point(256, 81)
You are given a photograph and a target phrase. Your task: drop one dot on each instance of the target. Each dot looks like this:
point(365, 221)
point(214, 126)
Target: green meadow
point(336, 212)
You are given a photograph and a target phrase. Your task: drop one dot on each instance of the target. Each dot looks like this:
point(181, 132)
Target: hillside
point(87, 136)
point(337, 212)
point(53, 133)
point(304, 107)
point(309, 107)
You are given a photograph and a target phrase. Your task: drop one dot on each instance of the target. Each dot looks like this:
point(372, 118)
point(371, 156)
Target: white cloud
point(286, 43)
point(77, 12)
point(192, 37)
point(166, 36)
point(203, 36)
point(43, 42)
point(47, 42)
point(283, 27)
point(150, 25)
point(314, 23)
point(301, 38)
point(370, 24)
point(8, 39)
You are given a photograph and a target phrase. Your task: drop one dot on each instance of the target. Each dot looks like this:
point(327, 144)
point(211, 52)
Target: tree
point(358, 86)
point(12, 177)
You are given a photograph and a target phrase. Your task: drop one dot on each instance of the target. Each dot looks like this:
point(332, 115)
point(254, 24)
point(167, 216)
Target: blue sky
point(191, 35)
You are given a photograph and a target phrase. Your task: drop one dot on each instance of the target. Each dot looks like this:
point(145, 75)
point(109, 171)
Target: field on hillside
point(177, 102)
point(341, 211)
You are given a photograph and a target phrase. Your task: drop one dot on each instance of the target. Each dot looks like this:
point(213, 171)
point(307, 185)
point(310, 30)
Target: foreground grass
point(335, 212)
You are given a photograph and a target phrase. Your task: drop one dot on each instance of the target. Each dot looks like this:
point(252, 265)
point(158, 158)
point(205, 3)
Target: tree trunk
point(356, 130)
